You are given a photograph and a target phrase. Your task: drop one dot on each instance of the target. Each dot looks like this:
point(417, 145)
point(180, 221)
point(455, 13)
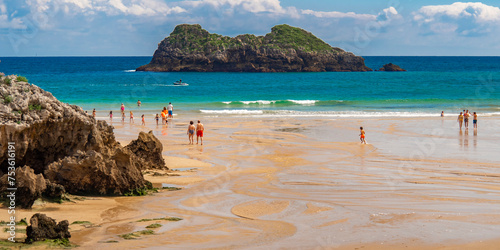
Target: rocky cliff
point(61, 144)
point(285, 49)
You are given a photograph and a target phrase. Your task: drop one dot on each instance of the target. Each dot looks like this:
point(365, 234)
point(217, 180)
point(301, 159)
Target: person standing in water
point(362, 135)
point(138, 103)
point(122, 108)
point(164, 114)
point(111, 115)
point(170, 108)
point(474, 121)
point(190, 132)
point(157, 117)
point(143, 120)
point(466, 119)
point(460, 120)
point(123, 116)
point(199, 132)
point(131, 117)
point(442, 113)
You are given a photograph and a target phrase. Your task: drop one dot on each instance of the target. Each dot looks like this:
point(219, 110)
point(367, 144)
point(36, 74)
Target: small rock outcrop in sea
point(43, 227)
point(285, 49)
point(68, 148)
point(391, 67)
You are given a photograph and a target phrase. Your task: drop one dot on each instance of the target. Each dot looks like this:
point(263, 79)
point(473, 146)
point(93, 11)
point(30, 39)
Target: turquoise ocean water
point(431, 85)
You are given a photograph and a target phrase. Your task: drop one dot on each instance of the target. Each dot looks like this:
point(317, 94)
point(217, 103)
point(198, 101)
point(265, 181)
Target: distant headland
point(285, 49)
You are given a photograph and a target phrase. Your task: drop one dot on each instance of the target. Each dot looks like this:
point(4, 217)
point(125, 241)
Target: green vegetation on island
point(192, 38)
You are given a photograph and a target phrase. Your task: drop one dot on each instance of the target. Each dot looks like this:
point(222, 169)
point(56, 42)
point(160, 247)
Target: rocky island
point(285, 49)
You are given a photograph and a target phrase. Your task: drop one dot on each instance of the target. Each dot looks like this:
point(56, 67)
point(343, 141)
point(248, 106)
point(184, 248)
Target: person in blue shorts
point(170, 108)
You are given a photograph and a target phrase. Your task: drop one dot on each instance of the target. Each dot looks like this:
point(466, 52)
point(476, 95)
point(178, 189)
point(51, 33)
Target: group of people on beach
point(166, 113)
point(463, 118)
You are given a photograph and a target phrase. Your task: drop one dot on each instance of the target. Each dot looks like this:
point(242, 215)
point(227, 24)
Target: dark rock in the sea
point(149, 149)
point(29, 186)
point(43, 227)
point(391, 67)
point(65, 145)
point(285, 49)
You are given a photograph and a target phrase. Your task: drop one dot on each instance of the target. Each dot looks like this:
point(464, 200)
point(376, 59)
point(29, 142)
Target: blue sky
point(135, 27)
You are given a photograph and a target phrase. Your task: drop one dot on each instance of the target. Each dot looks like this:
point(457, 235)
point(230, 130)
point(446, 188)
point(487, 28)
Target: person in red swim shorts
point(199, 132)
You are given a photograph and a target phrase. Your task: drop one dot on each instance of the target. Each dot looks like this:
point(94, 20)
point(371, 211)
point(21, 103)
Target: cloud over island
point(134, 27)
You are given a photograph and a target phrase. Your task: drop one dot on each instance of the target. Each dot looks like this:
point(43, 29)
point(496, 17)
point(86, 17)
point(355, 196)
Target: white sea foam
point(263, 102)
point(233, 112)
point(304, 102)
point(349, 114)
point(268, 102)
point(130, 70)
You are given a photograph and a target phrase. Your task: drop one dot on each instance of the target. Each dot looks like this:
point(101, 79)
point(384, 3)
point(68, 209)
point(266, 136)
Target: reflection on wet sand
point(306, 188)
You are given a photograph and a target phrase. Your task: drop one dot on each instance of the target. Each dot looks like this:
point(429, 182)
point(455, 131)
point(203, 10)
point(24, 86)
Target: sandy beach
point(306, 183)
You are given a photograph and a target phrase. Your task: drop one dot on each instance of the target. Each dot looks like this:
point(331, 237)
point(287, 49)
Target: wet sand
point(306, 183)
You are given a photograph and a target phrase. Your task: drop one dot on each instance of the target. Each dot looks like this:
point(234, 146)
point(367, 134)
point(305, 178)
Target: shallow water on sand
point(305, 183)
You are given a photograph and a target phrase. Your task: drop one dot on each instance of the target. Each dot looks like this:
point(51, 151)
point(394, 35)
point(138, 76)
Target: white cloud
point(254, 6)
point(467, 19)
point(3, 8)
point(385, 15)
point(82, 4)
point(9, 23)
point(109, 7)
point(14, 23)
point(336, 14)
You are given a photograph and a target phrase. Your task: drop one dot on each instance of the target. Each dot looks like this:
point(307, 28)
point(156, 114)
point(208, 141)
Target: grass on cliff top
point(22, 79)
point(192, 38)
point(286, 36)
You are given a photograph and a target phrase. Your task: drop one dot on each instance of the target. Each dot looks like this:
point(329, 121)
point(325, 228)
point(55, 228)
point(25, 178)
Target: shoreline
point(275, 182)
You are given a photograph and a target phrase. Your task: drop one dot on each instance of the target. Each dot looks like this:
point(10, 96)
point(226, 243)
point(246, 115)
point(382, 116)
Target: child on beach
point(131, 117)
point(111, 115)
point(123, 116)
point(190, 132)
point(362, 135)
point(157, 118)
point(143, 121)
point(460, 120)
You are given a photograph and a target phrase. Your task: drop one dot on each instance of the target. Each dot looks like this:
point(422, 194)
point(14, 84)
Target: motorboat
point(179, 83)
